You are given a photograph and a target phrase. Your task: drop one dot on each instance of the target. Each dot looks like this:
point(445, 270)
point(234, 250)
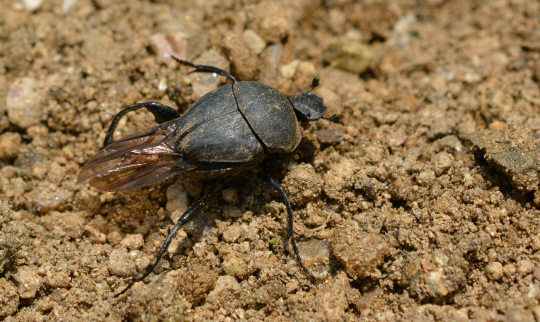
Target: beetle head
point(309, 106)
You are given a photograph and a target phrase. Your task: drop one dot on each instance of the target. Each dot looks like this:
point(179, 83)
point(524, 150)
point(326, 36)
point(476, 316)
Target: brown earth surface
point(422, 206)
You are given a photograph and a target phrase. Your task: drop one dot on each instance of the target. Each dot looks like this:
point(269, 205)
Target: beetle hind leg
point(192, 212)
point(274, 184)
point(205, 69)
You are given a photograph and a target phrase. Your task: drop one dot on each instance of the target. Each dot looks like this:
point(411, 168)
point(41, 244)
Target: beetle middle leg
point(162, 113)
point(192, 212)
point(290, 232)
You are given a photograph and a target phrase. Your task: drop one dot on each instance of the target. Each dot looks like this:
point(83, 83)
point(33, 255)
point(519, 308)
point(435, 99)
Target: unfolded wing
point(136, 161)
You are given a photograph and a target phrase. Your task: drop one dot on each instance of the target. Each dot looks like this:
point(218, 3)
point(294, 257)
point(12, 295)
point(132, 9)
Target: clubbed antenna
point(314, 83)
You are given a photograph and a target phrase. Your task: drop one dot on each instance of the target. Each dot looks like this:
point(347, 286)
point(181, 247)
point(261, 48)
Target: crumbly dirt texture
point(423, 205)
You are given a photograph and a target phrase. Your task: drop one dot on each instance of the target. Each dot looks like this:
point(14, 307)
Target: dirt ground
point(423, 205)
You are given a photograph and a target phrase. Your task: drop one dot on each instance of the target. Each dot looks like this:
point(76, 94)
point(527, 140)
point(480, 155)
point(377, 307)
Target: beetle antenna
point(314, 83)
point(205, 69)
point(334, 118)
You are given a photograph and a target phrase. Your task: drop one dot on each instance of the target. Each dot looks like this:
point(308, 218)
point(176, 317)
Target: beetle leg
point(290, 232)
point(205, 69)
point(193, 211)
point(334, 118)
point(162, 114)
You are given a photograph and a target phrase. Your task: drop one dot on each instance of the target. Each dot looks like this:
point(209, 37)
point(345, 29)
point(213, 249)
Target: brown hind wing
point(136, 161)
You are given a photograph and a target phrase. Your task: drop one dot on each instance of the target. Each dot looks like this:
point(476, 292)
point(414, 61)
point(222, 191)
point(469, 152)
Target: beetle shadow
point(306, 151)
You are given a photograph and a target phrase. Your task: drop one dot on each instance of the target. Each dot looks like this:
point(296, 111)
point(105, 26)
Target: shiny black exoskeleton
point(228, 131)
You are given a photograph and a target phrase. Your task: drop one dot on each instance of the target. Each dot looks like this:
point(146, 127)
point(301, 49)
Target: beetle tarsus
point(192, 212)
point(290, 231)
point(205, 69)
point(162, 113)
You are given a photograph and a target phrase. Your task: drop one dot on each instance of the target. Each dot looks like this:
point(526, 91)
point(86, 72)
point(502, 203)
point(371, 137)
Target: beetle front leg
point(290, 231)
point(192, 212)
point(205, 69)
point(162, 113)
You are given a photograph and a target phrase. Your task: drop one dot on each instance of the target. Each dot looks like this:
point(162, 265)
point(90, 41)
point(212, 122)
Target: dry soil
point(423, 205)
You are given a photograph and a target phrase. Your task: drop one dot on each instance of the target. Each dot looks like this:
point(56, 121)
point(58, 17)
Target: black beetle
point(228, 131)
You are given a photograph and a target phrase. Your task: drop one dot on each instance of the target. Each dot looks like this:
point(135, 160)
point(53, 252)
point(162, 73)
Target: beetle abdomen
point(269, 114)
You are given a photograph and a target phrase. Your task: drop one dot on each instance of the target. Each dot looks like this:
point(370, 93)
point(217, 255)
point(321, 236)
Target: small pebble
point(443, 162)
point(23, 103)
point(397, 138)
point(177, 201)
point(519, 314)
point(401, 31)
point(494, 270)
point(96, 236)
point(425, 178)
point(132, 241)
point(272, 56)
point(176, 244)
point(330, 136)
point(67, 5)
point(230, 195)
point(121, 263)
point(162, 48)
point(232, 233)
point(497, 125)
point(536, 273)
point(162, 85)
point(187, 43)
point(509, 270)
point(231, 211)
point(339, 178)
point(525, 267)
point(254, 41)
point(273, 23)
point(472, 77)
point(29, 282)
point(303, 184)
point(114, 237)
point(436, 284)
point(9, 299)
point(331, 298)
point(337, 20)
point(195, 282)
point(535, 242)
point(288, 70)
point(359, 252)
point(316, 256)
point(56, 173)
point(226, 286)
point(32, 5)
point(349, 55)
point(237, 265)
point(64, 223)
point(10, 145)
point(58, 278)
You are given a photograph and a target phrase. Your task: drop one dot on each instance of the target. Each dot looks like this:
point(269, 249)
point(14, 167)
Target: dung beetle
point(228, 131)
